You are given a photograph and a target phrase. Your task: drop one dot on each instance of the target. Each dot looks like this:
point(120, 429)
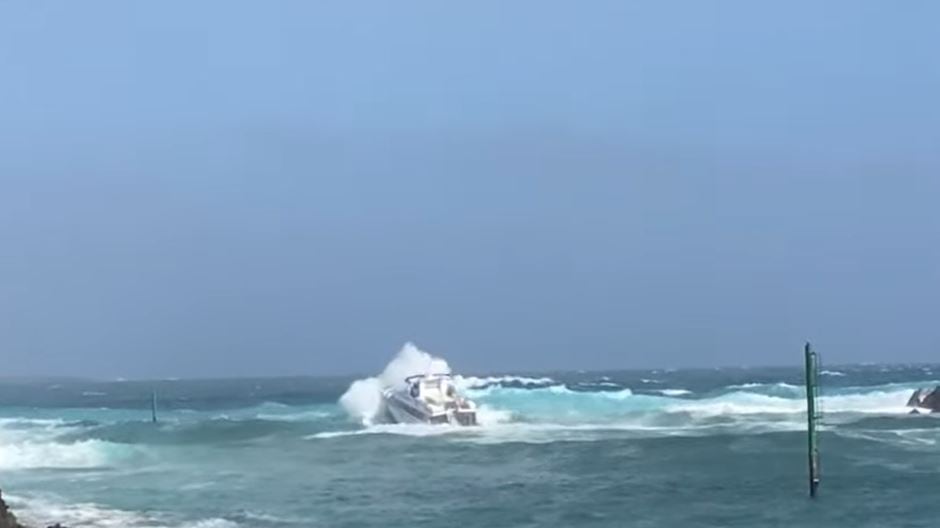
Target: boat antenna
point(153, 406)
point(813, 415)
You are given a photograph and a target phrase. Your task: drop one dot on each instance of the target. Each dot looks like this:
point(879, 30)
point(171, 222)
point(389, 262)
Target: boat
point(429, 399)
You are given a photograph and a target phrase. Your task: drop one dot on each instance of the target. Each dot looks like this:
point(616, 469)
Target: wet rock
point(914, 400)
point(7, 519)
point(924, 399)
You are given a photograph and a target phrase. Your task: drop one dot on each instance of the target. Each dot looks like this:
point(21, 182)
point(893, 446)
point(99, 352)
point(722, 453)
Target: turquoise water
point(647, 449)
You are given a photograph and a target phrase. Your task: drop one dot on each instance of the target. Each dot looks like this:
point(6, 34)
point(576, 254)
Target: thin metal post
point(812, 417)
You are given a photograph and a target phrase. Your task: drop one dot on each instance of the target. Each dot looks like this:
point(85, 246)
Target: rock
point(7, 519)
point(926, 399)
point(932, 399)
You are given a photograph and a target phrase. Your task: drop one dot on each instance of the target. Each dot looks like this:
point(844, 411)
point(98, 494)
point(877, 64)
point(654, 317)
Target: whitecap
point(86, 454)
point(675, 392)
point(470, 382)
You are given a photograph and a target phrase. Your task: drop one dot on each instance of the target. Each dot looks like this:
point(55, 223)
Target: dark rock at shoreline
point(925, 399)
point(7, 519)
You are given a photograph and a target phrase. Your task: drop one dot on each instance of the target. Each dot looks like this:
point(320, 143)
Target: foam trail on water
point(363, 400)
point(39, 511)
point(471, 382)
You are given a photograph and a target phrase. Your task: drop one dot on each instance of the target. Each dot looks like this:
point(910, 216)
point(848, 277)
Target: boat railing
point(415, 377)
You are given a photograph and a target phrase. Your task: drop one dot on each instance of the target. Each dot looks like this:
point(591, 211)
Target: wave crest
point(85, 454)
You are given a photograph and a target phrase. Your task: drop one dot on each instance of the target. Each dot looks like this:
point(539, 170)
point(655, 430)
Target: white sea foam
point(29, 443)
point(488, 416)
point(394, 429)
point(513, 407)
point(43, 510)
point(300, 416)
point(47, 509)
point(547, 432)
point(772, 386)
point(558, 413)
point(470, 382)
point(279, 412)
point(747, 386)
point(210, 523)
point(675, 392)
point(876, 402)
point(558, 390)
point(50, 455)
point(835, 373)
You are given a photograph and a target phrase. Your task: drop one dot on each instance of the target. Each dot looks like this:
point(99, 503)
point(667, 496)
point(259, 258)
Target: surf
point(544, 405)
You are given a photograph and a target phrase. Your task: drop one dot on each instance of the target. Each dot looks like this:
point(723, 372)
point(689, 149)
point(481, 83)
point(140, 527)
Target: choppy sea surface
point(677, 448)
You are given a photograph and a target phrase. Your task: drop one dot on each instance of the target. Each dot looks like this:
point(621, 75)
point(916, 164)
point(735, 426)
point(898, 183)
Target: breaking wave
point(473, 382)
point(546, 404)
point(551, 403)
point(35, 444)
point(79, 455)
point(558, 413)
point(363, 400)
point(675, 392)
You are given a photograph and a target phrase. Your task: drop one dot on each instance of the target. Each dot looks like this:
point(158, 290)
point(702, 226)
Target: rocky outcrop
point(7, 519)
point(925, 400)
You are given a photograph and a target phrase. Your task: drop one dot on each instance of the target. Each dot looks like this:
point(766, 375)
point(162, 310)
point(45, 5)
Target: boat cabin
point(435, 390)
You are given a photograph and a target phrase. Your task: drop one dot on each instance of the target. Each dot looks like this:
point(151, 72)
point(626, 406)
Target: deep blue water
point(687, 448)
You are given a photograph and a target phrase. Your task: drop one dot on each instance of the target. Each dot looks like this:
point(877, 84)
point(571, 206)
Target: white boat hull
point(403, 410)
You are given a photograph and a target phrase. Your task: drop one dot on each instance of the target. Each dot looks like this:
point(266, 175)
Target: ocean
point(659, 448)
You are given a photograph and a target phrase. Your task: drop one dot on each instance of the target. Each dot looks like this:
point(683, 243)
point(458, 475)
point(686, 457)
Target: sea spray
point(363, 400)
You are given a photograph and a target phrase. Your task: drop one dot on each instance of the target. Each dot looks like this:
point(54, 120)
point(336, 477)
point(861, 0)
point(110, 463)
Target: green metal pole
point(811, 418)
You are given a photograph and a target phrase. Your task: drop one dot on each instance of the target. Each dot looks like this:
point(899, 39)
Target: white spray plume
point(363, 400)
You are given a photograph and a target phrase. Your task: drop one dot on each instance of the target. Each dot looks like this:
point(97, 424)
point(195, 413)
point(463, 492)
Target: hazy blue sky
point(231, 187)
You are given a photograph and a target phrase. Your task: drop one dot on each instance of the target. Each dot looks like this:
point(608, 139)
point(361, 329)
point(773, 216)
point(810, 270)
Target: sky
point(235, 188)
